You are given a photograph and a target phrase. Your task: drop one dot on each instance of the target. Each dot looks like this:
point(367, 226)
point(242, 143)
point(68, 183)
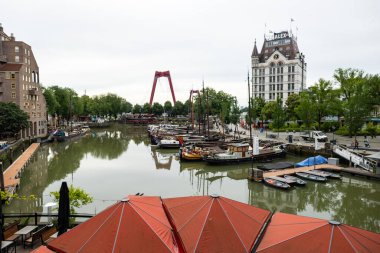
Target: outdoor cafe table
point(25, 231)
point(6, 245)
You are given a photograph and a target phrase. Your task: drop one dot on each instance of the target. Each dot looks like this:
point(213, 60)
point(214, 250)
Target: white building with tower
point(279, 69)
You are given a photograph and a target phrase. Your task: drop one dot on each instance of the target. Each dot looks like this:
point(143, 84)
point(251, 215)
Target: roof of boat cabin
point(238, 144)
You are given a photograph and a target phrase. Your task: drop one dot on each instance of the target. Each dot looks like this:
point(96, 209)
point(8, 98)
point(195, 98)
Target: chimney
point(1, 27)
point(12, 37)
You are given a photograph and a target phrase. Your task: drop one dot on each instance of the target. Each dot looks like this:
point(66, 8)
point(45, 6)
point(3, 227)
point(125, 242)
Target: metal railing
point(35, 216)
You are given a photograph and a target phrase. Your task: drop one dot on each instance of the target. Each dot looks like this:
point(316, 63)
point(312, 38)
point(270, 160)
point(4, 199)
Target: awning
point(135, 224)
point(215, 224)
point(293, 233)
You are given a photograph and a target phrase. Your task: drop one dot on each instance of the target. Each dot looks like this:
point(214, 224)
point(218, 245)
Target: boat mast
point(249, 112)
point(199, 113)
point(203, 107)
point(208, 113)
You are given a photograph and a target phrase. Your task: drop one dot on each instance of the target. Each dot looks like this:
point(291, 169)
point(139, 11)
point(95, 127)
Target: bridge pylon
point(157, 75)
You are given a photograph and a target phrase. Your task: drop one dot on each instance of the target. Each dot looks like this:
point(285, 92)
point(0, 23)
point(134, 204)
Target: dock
point(360, 172)
point(302, 169)
point(12, 173)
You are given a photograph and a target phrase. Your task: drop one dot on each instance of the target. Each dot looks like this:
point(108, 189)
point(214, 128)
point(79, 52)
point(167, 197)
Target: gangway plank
point(355, 158)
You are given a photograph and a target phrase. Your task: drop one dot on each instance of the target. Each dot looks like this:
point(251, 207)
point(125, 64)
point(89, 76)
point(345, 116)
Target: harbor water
point(114, 162)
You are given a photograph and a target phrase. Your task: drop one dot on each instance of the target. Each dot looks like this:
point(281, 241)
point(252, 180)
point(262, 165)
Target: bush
point(342, 131)
point(328, 126)
point(370, 129)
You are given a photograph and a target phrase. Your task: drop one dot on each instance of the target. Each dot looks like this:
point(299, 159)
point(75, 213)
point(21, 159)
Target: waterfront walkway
point(12, 173)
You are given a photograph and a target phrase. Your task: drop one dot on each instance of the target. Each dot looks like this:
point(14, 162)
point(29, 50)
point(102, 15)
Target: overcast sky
point(116, 46)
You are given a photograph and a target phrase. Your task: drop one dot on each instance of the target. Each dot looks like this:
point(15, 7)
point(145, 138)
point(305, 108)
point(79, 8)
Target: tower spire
point(255, 53)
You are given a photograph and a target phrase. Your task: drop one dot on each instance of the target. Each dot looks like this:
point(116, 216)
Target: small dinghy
point(296, 179)
point(312, 177)
point(327, 174)
point(276, 183)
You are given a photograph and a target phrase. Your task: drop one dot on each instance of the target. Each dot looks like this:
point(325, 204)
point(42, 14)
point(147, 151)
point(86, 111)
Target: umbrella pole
point(262, 232)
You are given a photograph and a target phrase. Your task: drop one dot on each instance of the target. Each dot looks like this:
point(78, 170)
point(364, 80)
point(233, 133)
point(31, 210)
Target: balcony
point(32, 91)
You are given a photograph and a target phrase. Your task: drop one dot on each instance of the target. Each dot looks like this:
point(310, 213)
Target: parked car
point(311, 135)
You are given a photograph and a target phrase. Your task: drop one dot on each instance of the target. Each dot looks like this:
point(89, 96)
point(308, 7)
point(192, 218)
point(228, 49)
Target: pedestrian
point(356, 144)
point(366, 142)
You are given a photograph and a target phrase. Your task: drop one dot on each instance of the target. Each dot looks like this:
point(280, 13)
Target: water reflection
point(163, 158)
point(122, 160)
point(353, 201)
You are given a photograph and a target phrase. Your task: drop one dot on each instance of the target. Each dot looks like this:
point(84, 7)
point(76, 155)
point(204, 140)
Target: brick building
point(279, 69)
point(20, 83)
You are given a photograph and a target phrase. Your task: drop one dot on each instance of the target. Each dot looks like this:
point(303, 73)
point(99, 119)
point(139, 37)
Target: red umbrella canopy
point(293, 233)
point(135, 224)
point(215, 224)
point(42, 249)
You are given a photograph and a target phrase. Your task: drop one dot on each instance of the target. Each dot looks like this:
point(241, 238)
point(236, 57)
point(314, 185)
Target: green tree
point(372, 88)
point(137, 108)
point(186, 108)
point(147, 108)
point(291, 104)
point(86, 101)
point(257, 105)
point(356, 98)
point(126, 106)
point(178, 109)
point(51, 101)
point(12, 118)
point(269, 109)
point(306, 110)
point(279, 115)
point(235, 113)
point(78, 198)
point(325, 98)
point(168, 107)
point(157, 109)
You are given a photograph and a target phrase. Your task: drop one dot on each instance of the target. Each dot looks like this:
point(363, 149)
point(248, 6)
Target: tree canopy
point(12, 118)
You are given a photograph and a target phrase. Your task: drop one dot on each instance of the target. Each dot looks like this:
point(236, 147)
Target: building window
point(13, 94)
point(17, 49)
point(13, 85)
point(293, 68)
point(13, 76)
point(28, 53)
point(17, 58)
